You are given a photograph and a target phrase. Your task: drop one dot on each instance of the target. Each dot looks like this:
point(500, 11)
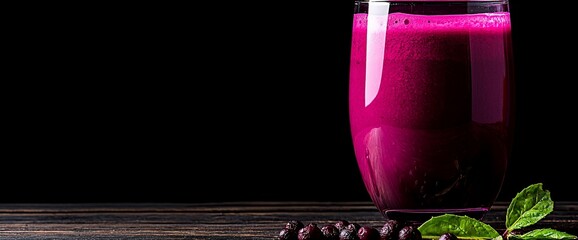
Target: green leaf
point(528, 207)
point(545, 234)
point(463, 227)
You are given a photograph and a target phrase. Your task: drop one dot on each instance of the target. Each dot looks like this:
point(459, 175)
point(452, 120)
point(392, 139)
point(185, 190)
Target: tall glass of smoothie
point(431, 104)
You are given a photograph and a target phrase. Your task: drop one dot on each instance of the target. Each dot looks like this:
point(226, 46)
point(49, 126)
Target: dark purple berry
point(390, 230)
point(310, 232)
point(330, 232)
point(341, 224)
point(409, 233)
point(348, 234)
point(353, 227)
point(288, 234)
point(368, 233)
point(295, 225)
point(448, 236)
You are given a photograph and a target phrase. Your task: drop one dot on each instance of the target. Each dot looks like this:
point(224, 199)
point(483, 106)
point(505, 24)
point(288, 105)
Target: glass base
point(418, 216)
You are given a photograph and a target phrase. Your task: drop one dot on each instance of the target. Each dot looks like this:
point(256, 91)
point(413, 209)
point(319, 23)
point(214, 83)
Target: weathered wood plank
point(242, 220)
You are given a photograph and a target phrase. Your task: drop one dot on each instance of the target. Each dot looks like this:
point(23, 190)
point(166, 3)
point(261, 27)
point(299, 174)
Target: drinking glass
point(431, 104)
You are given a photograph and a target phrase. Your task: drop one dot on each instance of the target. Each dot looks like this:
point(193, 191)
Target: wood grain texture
point(236, 220)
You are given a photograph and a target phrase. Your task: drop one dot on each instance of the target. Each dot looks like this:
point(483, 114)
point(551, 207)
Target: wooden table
point(249, 220)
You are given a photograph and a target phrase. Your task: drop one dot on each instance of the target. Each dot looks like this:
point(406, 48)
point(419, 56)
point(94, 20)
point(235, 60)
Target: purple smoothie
point(430, 110)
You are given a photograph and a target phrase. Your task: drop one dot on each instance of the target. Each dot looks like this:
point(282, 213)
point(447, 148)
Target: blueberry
point(310, 232)
point(287, 234)
point(330, 232)
point(295, 225)
point(368, 233)
point(348, 234)
point(409, 232)
point(353, 227)
point(448, 236)
point(341, 224)
point(390, 230)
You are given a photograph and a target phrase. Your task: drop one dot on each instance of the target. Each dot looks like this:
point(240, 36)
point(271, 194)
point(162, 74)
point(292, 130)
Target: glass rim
point(432, 1)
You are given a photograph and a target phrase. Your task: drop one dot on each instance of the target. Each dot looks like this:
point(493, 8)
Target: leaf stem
point(505, 234)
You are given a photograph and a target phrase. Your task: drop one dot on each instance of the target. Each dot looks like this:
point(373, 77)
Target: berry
point(368, 233)
point(310, 232)
point(409, 232)
point(348, 234)
point(354, 227)
point(341, 224)
point(390, 230)
point(287, 234)
point(330, 232)
point(448, 236)
point(295, 225)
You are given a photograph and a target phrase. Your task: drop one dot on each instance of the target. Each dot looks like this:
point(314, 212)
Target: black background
point(241, 101)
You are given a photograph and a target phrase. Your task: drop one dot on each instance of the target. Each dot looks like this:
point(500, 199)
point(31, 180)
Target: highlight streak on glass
point(377, 19)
